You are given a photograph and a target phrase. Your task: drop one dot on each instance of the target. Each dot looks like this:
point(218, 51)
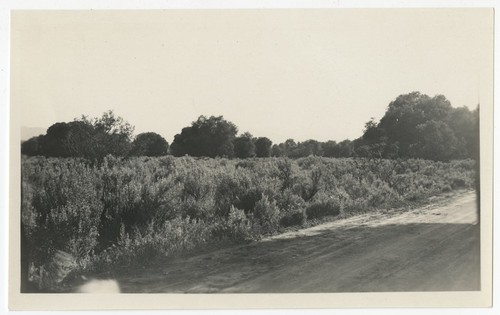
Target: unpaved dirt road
point(433, 248)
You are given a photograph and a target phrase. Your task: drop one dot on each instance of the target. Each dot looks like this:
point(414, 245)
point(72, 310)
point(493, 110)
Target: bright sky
point(301, 74)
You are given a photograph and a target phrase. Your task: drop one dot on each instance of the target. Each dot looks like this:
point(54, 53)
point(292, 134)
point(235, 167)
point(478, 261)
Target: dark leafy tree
point(54, 143)
point(330, 149)
point(80, 140)
point(32, 146)
point(244, 146)
point(310, 147)
point(418, 126)
point(290, 145)
point(436, 141)
point(377, 150)
point(346, 148)
point(465, 126)
point(112, 135)
point(277, 150)
point(373, 133)
point(374, 143)
point(315, 148)
point(210, 137)
point(84, 137)
point(73, 139)
point(263, 147)
point(149, 144)
point(407, 112)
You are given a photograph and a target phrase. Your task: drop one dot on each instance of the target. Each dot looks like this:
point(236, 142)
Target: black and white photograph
point(223, 154)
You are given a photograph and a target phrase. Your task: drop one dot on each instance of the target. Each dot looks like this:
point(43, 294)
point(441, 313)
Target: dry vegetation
point(128, 211)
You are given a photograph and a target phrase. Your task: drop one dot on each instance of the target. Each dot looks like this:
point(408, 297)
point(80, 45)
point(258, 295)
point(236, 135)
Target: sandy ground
point(432, 248)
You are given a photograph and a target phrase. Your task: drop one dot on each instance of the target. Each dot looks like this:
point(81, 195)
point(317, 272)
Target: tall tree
point(288, 147)
point(149, 144)
point(277, 150)
point(206, 137)
point(435, 141)
point(244, 146)
point(80, 140)
point(84, 137)
point(310, 147)
point(408, 111)
point(372, 132)
point(32, 146)
point(330, 149)
point(465, 126)
point(419, 126)
point(54, 142)
point(263, 147)
point(346, 148)
point(112, 135)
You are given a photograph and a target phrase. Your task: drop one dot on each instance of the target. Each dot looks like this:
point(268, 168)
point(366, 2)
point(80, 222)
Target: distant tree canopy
point(210, 137)
point(418, 126)
point(84, 137)
point(32, 146)
point(149, 144)
point(293, 149)
point(263, 147)
point(244, 146)
point(413, 126)
point(112, 134)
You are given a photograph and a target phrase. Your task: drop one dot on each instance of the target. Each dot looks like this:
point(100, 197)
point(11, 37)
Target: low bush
point(293, 218)
point(290, 202)
point(322, 209)
point(142, 247)
point(239, 227)
point(123, 211)
point(267, 214)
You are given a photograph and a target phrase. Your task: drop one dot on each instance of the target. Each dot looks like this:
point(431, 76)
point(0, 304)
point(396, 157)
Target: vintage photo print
point(250, 158)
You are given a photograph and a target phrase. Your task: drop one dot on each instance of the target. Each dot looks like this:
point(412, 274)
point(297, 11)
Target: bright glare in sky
point(301, 74)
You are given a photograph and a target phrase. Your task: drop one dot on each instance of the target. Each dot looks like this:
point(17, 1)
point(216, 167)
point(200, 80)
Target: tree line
point(413, 126)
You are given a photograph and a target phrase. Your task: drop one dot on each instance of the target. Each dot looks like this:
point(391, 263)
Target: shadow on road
point(384, 258)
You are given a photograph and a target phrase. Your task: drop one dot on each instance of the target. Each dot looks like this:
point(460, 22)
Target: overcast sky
point(301, 74)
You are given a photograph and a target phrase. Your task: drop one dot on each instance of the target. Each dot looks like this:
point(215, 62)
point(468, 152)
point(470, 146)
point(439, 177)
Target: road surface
point(432, 248)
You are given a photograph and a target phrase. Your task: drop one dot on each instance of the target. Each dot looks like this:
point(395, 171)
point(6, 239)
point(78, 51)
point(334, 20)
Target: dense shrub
point(293, 218)
point(290, 202)
point(61, 208)
point(235, 189)
point(267, 214)
point(123, 211)
point(155, 241)
point(238, 226)
point(323, 208)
